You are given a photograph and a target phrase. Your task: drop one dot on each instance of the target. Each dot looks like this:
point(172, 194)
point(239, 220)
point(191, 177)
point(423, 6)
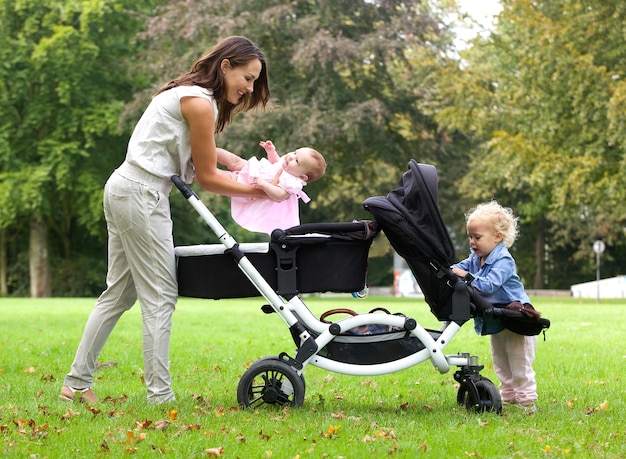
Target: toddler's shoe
point(528, 407)
point(69, 394)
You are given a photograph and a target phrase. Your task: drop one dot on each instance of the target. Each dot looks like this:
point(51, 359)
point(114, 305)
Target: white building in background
point(404, 283)
point(614, 287)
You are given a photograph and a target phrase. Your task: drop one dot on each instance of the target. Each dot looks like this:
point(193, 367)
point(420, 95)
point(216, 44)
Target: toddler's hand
point(458, 272)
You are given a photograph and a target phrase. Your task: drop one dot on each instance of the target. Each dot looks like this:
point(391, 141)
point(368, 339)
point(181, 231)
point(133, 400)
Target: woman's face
point(239, 81)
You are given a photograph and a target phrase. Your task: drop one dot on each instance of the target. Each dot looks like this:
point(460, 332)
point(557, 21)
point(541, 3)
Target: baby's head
point(501, 218)
point(305, 163)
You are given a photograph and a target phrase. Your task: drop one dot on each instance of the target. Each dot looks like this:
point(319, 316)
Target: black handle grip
point(183, 187)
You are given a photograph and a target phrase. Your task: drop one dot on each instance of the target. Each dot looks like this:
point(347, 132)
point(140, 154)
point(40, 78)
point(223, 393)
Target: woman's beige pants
point(141, 265)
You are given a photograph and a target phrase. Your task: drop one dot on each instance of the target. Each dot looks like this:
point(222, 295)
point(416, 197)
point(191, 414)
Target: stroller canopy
point(411, 220)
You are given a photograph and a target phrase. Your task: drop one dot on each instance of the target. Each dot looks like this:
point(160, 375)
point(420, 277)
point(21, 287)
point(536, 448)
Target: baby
point(281, 178)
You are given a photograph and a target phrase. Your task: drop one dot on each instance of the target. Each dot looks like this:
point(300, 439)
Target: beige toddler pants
point(513, 356)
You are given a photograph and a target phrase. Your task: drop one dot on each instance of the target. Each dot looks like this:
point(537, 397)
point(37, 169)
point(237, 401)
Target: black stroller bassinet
point(310, 258)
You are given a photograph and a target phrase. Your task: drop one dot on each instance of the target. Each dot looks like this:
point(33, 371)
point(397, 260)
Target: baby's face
point(299, 163)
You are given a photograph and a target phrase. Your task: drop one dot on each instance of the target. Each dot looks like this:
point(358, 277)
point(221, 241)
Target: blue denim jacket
point(497, 281)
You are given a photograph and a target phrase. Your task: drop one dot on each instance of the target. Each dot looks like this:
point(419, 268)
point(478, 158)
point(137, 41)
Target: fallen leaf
point(92, 410)
point(161, 425)
point(332, 430)
point(214, 452)
point(143, 424)
point(107, 364)
point(192, 427)
point(130, 437)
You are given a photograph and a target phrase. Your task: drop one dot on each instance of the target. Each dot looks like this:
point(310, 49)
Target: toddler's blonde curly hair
point(502, 218)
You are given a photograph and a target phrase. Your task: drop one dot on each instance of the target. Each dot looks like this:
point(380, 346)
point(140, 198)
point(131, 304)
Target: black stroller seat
point(410, 218)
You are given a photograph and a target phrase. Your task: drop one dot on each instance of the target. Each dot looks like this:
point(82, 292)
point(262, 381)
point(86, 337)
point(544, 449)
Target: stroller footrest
point(267, 309)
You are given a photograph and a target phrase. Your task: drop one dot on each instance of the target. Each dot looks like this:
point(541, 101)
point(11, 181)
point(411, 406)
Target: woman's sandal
point(69, 394)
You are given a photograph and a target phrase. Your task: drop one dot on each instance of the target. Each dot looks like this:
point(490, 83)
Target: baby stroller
point(324, 257)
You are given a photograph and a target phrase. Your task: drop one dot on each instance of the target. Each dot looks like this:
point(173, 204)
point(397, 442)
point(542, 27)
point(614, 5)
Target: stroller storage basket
point(325, 257)
point(373, 349)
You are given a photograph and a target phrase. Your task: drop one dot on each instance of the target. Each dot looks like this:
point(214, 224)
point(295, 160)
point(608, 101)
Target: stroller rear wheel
point(270, 381)
point(486, 397)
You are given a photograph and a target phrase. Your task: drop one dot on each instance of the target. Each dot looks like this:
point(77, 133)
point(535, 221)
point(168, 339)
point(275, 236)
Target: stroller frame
point(279, 380)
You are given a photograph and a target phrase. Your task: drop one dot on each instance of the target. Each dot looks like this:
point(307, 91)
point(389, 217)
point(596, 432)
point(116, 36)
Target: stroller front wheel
point(270, 381)
point(485, 397)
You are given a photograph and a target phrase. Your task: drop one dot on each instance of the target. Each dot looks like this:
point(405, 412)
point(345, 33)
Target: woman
point(175, 136)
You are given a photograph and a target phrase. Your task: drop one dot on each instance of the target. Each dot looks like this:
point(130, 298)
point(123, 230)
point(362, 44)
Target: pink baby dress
point(264, 214)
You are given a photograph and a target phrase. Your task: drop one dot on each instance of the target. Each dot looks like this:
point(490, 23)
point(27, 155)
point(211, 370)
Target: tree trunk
point(540, 255)
point(38, 258)
point(4, 288)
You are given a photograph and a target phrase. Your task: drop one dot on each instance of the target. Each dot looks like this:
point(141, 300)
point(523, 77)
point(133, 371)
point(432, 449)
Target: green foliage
point(538, 100)
point(65, 78)
point(531, 114)
point(337, 71)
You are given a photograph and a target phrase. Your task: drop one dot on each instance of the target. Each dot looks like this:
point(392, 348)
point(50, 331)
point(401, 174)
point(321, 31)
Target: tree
point(64, 82)
point(338, 71)
point(536, 99)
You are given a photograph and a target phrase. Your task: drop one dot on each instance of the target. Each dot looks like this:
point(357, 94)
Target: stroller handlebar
point(182, 186)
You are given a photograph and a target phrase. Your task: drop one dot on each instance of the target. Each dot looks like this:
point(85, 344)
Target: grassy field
point(412, 413)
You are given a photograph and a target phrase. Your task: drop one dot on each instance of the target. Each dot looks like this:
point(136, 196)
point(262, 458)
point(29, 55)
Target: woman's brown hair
point(206, 72)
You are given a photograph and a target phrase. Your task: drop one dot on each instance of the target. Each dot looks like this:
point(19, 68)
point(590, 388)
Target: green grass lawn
point(412, 413)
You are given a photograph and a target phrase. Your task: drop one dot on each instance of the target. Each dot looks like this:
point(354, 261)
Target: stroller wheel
point(485, 397)
point(270, 381)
